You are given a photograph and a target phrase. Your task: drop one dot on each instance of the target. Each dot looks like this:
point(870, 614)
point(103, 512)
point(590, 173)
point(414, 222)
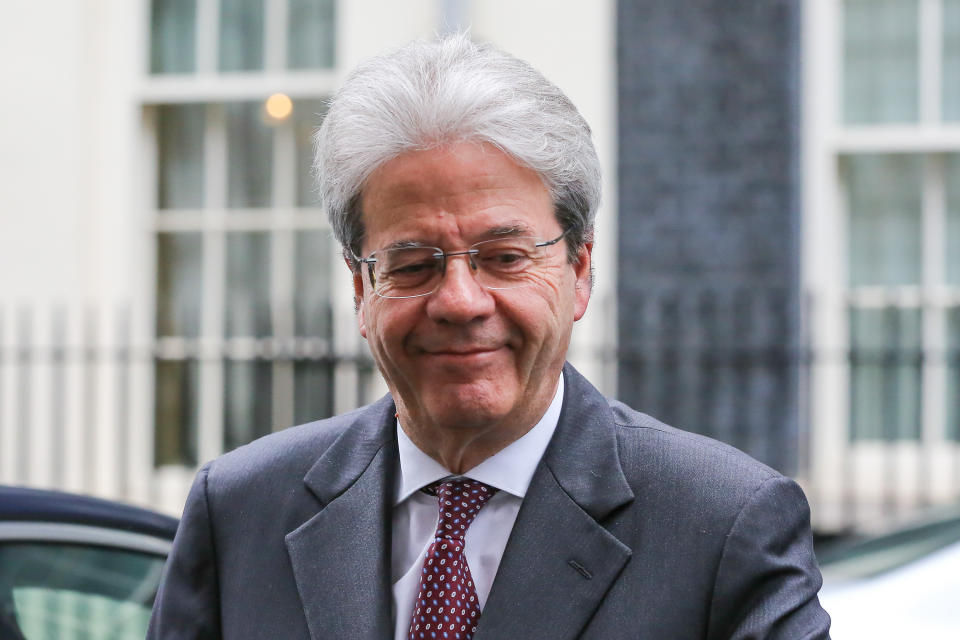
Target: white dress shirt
point(415, 513)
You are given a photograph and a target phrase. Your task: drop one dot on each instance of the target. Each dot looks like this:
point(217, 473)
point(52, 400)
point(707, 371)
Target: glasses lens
point(407, 271)
point(503, 262)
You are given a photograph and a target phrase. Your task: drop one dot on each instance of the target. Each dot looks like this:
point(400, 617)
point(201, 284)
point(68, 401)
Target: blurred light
point(279, 106)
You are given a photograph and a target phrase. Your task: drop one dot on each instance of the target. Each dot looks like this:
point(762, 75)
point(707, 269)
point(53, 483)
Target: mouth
point(459, 347)
point(460, 351)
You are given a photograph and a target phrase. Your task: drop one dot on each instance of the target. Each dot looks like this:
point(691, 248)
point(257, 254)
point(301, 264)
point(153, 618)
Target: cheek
point(543, 312)
point(551, 321)
point(547, 283)
point(554, 298)
point(386, 323)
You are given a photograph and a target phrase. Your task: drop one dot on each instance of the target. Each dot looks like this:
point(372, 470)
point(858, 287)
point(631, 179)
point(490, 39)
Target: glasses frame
point(441, 257)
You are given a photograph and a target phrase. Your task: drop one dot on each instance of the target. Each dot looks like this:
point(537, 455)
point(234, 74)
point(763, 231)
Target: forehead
point(462, 189)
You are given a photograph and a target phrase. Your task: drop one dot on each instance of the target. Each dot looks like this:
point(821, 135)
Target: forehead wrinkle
point(423, 188)
point(425, 205)
point(507, 229)
point(407, 201)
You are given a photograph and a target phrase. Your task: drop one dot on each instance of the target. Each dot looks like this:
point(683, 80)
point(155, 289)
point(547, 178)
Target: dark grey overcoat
point(630, 529)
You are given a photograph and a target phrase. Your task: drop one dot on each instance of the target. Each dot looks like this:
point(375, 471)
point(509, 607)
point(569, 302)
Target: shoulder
point(280, 460)
point(662, 464)
point(688, 467)
point(735, 528)
point(639, 430)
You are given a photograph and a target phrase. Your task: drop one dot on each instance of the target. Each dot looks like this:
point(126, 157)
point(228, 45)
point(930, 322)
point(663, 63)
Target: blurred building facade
point(789, 176)
point(169, 287)
point(778, 252)
point(881, 250)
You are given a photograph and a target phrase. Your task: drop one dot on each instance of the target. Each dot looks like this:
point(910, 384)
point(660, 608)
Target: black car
point(77, 567)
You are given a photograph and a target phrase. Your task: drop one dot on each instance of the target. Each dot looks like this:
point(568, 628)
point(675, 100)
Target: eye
point(412, 267)
point(505, 258)
point(408, 266)
point(508, 258)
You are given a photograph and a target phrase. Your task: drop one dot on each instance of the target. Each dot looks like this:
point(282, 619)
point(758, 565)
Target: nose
point(460, 298)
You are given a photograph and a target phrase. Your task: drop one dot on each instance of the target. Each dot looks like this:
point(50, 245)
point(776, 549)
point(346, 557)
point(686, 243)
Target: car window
point(874, 556)
point(59, 590)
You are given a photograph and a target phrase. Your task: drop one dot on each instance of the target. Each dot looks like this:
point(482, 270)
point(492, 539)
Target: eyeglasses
point(410, 272)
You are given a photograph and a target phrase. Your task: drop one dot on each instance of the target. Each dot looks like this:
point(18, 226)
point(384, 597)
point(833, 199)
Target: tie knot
point(459, 502)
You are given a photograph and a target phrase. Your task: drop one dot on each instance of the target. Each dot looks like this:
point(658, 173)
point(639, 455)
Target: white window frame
point(845, 473)
point(212, 88)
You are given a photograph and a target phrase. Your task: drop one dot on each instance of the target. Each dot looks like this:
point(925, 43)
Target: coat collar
point(559, 561)
point(351, 455)
point(341, 556)
point(583, 455)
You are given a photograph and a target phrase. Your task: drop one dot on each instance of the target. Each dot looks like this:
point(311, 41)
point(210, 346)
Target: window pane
point(313, 390)
point(951, 59)
point(250, 156)
point(885, 228)
point(179, 269)
point(241, 35)
point(313, 308)
point(175, 412)
point(73, 591)
point(953, 218)
point(307, 115)
point(885, 373)
point(880, 61)
point(310, 37)
point(953, 373)
point(247, 311)
point(173, 36)
point(180, 156)
point(247, 393)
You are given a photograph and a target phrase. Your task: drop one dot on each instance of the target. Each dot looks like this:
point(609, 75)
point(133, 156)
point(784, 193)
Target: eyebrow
point(403, 244)
point(493, 232)
point(508, 230)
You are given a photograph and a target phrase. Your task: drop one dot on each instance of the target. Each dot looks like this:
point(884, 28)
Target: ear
point(584, 280)
point(358, 297)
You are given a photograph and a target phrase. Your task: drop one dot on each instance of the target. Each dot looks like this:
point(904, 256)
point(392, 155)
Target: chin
point(469, 405)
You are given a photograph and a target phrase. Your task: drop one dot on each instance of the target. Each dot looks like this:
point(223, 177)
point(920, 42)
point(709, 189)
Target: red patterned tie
point(447, 607)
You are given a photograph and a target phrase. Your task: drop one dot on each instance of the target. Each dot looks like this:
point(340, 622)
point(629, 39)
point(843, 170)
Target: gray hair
point(430, 93)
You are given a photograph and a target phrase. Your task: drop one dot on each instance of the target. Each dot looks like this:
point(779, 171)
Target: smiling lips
point(459, 351)
point(438, 345)
point(466, 343)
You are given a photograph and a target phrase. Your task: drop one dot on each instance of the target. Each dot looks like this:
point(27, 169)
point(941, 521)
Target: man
point(463, 188)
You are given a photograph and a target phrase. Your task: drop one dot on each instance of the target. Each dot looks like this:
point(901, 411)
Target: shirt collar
point(510, 469)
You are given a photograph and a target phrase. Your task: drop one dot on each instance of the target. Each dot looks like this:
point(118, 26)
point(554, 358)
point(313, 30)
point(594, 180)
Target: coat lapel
point(560, 561)
point(341, 556)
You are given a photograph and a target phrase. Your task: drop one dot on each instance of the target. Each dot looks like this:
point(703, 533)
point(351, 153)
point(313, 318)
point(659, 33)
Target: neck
point(462, 446)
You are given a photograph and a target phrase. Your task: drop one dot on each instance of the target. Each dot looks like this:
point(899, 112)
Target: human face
point(464, 357)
